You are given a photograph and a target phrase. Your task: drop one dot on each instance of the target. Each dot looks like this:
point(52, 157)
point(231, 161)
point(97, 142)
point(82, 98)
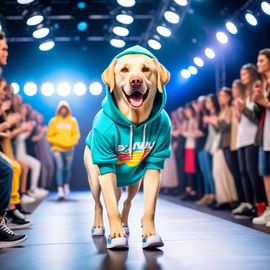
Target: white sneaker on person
point(61, 194)
point(35, 194)
point(239, 209)
point(263, 219)
point(26, 199)
point(66, 189)
point(43, 192)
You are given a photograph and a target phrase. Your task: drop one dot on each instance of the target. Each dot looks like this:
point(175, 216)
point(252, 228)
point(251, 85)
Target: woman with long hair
point(261, 95)
point(247, 150)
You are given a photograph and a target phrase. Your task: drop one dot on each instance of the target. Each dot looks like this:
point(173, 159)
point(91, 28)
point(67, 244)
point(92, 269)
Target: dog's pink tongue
point(136, 99)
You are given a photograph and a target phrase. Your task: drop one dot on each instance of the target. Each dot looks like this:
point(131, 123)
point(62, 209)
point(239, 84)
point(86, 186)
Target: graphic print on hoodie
point(117, 145)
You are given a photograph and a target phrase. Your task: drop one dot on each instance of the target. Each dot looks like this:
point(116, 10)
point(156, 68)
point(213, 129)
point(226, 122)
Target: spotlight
point(118, 43)
point(185, 73)
point(222, 37)
point(126, 3)
point(34, 19)
point(47, 89)
point(124, 18)
point(181, 2)
point(231, 27)
point(192, 70)
point(154, 44)
point(16, 88)
point(46, 45)
point(209, 53)
point(82, 26)
point(30, 89)
point(41, 32)
point(1, 27)
point(63, 89)
point(265, 7)
point(198, 61)
point(24, 2)
point(164, 31)
point(95, 88)
point(81, 5)
point(79, 88)
point(171, 17)
point(251, 19)
point(120, 31)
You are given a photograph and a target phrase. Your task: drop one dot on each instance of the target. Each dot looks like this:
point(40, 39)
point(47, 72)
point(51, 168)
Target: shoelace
point(18, 214)
point(3, 227)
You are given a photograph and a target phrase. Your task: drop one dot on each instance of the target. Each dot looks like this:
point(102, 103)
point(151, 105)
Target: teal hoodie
point(117, 145)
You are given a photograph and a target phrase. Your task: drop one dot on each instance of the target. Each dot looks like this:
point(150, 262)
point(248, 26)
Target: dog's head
point(134, 79)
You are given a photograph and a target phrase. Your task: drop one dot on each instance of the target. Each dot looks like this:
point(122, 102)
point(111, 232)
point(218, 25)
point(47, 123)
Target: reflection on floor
point(224, 214)
point(60, 239)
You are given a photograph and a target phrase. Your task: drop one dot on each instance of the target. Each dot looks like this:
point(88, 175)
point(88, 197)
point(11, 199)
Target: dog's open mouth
point(136, 99)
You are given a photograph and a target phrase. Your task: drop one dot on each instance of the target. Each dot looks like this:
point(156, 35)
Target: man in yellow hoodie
point(63, 134)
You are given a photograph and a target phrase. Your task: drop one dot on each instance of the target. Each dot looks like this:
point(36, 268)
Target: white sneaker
point(263, 219)
point(61, 194)
point(35, 194)
point(66, 189)
point(117, 243)
point(268, 224)
point(239, 209)
point(152, 241)
point(43, 192)
point(26, 199)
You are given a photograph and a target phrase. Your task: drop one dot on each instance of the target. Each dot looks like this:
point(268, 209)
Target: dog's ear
point(108, 75)
point(163, 75)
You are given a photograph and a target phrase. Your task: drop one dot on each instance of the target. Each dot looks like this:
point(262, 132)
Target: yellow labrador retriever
point(130, 140)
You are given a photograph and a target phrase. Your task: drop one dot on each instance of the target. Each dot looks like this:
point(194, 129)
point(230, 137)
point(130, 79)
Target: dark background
point(85, 61)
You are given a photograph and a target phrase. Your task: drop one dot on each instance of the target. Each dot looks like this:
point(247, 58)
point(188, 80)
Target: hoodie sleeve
point(162, 148)
point(103, 153)
point(75, 132)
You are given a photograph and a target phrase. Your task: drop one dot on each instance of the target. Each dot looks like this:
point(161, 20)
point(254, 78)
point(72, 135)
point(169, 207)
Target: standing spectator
point(261, 95)
point(63, 134)
point(247, 151)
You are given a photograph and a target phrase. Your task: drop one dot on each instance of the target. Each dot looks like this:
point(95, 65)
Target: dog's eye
point(145, 69)
point(125, 69)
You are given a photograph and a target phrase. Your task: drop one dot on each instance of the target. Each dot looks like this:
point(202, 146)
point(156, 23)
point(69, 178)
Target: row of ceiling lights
point(63, 88)
point(126, 18)
point(223, 39)
point(35, 19)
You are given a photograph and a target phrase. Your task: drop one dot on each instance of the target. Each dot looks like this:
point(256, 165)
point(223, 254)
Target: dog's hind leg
point(131, 192)
point(93, 173)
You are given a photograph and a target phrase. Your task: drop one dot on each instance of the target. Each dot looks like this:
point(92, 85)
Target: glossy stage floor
point(61, 239)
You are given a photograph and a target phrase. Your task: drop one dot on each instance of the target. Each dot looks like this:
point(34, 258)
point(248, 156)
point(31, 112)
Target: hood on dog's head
point(162, 72)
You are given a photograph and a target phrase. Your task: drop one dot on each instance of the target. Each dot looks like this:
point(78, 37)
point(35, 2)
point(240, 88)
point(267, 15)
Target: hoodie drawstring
point(131, 139)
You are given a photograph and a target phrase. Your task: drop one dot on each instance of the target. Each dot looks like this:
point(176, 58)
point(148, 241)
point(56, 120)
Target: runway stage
point(61, 239)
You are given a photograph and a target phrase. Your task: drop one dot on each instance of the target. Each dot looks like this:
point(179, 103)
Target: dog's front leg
point(151, 188)
point(109, 191)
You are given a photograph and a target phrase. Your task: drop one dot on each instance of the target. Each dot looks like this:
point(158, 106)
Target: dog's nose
point(135, 81)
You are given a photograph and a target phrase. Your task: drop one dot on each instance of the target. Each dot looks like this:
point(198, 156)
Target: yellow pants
point(15, 195)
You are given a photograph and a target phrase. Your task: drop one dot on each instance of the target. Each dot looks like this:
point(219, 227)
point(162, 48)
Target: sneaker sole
point(117, 243)
point(153, 241)
point(242, 217)
point(19, 227)
point(8, 244)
